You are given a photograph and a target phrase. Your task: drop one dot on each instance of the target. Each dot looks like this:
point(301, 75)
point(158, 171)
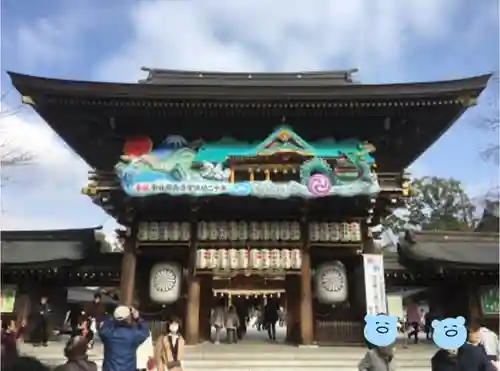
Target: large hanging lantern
point(331, 283)
point(233, 231)
point(355, 232)
point(165, 283)
point(266, 231)
point(254, 233)
point(334, 232)
point(223, 231)
point(344, 232)
point(175, 229)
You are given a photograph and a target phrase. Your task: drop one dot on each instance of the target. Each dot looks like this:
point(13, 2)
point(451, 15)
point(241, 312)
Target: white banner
point(374, 283)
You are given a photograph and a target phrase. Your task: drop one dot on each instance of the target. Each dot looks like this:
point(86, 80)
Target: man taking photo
point(121, 335)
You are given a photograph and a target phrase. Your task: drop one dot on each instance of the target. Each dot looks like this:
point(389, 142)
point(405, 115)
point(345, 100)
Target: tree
point(11, 156)
point(435, 204)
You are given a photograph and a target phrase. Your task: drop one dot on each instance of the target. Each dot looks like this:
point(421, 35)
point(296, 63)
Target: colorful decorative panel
point(176, 167)
point(489, 299)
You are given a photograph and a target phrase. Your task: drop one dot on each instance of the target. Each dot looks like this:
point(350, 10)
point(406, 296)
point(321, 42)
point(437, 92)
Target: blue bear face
point(449, 333)
point(380, 329)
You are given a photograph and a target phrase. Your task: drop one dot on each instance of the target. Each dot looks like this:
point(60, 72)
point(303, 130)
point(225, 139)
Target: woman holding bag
point(170, 349)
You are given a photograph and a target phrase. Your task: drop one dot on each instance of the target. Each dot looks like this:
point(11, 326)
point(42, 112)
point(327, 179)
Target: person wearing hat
point(121, 335)
point(76, 354)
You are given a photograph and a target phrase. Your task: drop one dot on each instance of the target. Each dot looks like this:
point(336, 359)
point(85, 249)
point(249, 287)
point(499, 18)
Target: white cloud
point(249, 35)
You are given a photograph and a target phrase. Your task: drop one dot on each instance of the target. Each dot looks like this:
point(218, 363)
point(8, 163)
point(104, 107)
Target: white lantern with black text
point(233, 259)
point(285, 231)
point(255, 259)
point(266, 231)
point(355, 232)
point(223, 231)
point(233, 231)
point(295, 231)
point(296, 259)
point(165, 283)
point(314, 232)
point(275, 259)
point(143, 231)
point(175, 230)
point(154, 231)
point(202, 257)
point(213, 232)
point(266, 259)
point(213, 260)
point(202, 231)
point(242, 231)
point(223, 259)
point(185, 231)
point(244, 258)
point(286, 259)
point(344, 232)
point(254, 232)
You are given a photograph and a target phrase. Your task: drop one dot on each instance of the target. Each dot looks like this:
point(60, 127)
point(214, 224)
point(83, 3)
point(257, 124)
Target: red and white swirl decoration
point(319, 185)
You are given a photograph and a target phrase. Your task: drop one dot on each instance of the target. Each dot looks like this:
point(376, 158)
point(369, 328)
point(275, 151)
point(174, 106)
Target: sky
point(389, 41)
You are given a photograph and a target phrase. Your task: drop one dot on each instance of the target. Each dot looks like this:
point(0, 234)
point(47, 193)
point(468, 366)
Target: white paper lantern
point(330, 283)
point(296, 260)
point(295, 231)
point(233, 259)
point(275, 259)
point(355, 232)
point(344, 232)
point(143, 231)
point(323, 232)
point(176, 231)
point(285, 231)
point(334, 232)
point(213, 233)
point(223, 259)
point(286, 258)
point(255, 259)
point(223, 231)
point(275, 231)
point(213, 260)
point(154, 231)
point(233, 231)
point(163, 231)
point(242, 231)
point(314, 232)
point(244, 258)
point(185, 231)
point(266, 259)
point(165, 283)
point(266, 231)
point(202, 258)
point(254, 233)
point(202, 231)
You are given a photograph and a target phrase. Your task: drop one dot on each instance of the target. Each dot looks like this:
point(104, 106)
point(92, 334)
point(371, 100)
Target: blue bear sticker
point(380, 329)
point(449, 333)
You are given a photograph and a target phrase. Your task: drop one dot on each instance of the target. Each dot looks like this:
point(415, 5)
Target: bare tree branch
point(489, 119)
point(10, 154)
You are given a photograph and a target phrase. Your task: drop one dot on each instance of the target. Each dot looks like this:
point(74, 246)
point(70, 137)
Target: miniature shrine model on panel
point(245, 185)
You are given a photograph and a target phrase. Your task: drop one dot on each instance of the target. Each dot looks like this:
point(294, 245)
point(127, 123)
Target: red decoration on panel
point(137, 146)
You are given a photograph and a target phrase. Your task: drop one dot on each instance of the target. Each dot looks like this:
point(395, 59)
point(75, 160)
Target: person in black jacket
point(472, 356)
point(41, 318)
point(445, 360)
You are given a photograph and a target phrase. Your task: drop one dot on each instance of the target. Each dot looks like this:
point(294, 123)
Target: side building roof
point(462, 250)
point(45, 246)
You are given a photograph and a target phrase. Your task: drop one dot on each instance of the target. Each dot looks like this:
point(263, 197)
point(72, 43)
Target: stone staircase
point(273, 357)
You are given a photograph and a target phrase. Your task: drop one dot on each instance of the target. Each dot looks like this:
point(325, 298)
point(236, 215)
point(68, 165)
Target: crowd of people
point(128, 344)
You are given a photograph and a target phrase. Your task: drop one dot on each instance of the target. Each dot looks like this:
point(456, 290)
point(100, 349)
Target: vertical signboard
point(373, 265)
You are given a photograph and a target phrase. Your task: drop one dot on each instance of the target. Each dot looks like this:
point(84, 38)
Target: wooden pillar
point(206, 298)
point(292, 308)
point(193, 289)
point(127, 279)
point(193, 311)
point(306, 310)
